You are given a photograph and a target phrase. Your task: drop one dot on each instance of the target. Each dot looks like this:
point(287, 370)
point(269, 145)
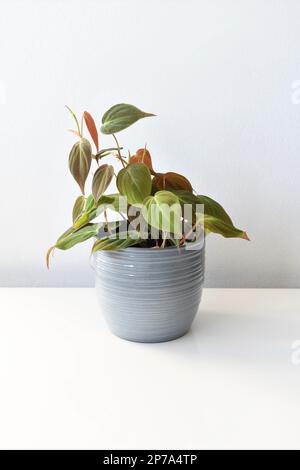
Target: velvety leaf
point(109, 201)
point(217, 220)
point(112, 243)
point(171, 180)
point(90, 203)
point(66, 233)
point(215, 225)
point(68, 240)
point(134, 182)
point(214, 209)
point(163, 211)
point(114, 202)
point(78, 207)
point(90, 124)
point(80, 161)
point(143, 156)
point(101, 180)
point(120, 117)
point(215, 217)
point(185, 197)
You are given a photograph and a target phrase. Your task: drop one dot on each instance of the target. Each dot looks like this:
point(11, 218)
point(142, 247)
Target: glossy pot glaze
point(150, 295)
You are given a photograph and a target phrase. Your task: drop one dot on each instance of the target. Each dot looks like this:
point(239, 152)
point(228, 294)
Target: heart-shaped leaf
point(101, 180)
point(185, 197)
point(120, 117)
point(171, 180)
point(78, 207)
point(134, 182)
point(90, 124)
point(215, 218)
point(80, 161)
point(163, 212)
point(143, 156)
point(190, 200)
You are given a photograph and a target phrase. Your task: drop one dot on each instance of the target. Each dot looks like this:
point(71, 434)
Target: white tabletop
point(67, 383)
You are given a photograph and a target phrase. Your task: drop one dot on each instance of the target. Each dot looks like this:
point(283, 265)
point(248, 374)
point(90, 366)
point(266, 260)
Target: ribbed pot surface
point(149, 295)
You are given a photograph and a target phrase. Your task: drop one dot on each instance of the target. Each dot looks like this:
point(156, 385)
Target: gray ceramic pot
point(149, 295)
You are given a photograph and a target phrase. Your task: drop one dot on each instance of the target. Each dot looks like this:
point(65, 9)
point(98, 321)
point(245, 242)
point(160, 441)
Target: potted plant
point(149, 262)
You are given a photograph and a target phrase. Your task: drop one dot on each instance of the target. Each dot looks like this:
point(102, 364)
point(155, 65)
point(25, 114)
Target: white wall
point(218, 74)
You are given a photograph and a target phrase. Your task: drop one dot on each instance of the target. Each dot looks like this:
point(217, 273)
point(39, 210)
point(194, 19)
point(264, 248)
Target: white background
point(219, 75)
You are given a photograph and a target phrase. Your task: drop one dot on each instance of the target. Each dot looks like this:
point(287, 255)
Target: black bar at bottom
point(98, 458)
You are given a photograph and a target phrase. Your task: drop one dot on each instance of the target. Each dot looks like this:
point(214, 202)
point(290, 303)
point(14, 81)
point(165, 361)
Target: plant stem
point(185, 237)
point(144, 153)
point(106, 221)
point(76, 120)
point(164, 240)
point(81, 126)
point(119, 151)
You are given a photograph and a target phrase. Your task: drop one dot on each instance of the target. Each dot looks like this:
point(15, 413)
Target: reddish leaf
point(143, 156)
point(171, 180)
point(90, 124)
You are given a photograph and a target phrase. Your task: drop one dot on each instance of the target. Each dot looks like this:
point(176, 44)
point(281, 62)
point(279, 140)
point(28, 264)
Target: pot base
point(150, 340)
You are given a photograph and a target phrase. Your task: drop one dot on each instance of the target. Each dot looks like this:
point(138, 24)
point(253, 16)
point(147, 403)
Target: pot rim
point(137, 249)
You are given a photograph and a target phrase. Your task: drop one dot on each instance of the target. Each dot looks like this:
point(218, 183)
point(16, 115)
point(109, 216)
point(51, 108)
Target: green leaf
point(215, 217)
point(134, 182)
point(112, 243)
point(214, 209)
point(108, 201)
point(80, 159)
point(113, 202)
point(101, 180)
point(211, 207)
point(90, 203)
point(78, 207)
point(65, 234)
point(71, 237)
point(185, 197)
point(217, 220)
point(215, 225)
point(120, 117)
point(163, 211)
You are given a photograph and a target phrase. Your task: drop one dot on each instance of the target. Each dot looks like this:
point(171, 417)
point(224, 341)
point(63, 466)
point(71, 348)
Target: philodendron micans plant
point(150, 206)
